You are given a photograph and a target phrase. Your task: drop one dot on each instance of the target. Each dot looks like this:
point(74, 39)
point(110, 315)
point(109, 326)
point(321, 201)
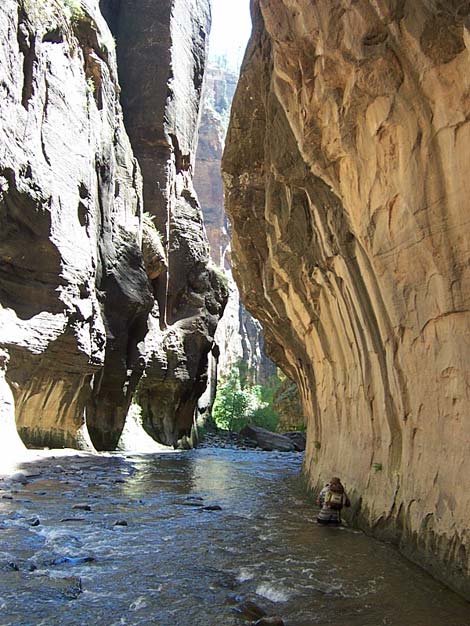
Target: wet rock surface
point(270, 621)
point(261, 556)
point(346, 188)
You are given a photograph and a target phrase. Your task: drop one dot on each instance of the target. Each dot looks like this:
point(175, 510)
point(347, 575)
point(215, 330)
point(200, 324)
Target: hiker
point(332, 498)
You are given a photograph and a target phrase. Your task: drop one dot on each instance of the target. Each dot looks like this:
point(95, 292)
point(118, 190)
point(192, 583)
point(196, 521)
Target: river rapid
point(114, 540)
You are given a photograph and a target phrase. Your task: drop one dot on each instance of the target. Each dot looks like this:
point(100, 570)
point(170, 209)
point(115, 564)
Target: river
point(113, 540)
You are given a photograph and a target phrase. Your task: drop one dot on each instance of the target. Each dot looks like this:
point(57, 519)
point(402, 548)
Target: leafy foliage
point(238, 403)
point(75, 10)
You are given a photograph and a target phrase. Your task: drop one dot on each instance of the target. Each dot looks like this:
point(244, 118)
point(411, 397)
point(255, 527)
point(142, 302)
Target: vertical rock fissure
point(27, 45)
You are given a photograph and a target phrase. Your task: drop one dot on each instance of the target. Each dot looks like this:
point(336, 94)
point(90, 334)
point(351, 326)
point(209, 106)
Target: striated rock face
point(346, 185)
point(86, 304)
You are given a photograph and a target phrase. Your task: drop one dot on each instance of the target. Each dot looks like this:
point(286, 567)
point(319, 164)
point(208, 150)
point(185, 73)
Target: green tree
point(238, 403)
point(231, 403)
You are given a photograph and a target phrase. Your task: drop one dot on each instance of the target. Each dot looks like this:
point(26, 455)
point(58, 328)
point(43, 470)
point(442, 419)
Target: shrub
point(75, 10)
point(222, 277)
point(238, 403)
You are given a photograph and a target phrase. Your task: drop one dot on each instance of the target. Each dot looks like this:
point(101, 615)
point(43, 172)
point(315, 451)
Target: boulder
point(267, 440)
point(250, 610)
point(298, 438)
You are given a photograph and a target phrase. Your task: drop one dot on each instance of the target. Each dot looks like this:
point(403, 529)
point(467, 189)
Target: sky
point(231, 28)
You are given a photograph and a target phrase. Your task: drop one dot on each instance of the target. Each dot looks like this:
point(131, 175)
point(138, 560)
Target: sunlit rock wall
point(84, 312)
point(346, 183)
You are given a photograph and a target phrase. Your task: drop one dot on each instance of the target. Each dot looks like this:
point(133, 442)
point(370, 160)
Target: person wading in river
point(332, 498)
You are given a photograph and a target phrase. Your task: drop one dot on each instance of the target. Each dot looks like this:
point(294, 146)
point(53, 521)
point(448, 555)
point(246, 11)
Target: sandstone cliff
point(346, 186)
point(87, 307)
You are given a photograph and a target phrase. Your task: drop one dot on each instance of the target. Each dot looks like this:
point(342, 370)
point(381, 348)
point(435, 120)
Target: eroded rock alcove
point(346, 183)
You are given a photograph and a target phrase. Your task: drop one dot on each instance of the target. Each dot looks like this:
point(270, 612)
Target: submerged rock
point(82, 507)
point(73, 560)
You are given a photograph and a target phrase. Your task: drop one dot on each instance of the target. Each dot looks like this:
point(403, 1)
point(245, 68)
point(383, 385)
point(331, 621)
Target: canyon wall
point(95, 298)
point(238, 336)
point(346, 187)
point(161, 51)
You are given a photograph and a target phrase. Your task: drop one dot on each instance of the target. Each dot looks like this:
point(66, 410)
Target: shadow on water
point(183, 539)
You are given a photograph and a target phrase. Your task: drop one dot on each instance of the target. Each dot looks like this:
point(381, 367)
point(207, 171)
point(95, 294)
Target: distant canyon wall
point(239, 337)
point(346, 185)
point(99, 304)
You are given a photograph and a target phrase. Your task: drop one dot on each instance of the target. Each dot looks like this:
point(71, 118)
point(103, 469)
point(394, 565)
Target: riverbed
point(195, 538)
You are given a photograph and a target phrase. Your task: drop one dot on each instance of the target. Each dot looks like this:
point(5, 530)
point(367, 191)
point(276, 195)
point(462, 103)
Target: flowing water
point(176, 563)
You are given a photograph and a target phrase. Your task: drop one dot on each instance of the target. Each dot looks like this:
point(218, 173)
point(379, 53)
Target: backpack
point(334, 500)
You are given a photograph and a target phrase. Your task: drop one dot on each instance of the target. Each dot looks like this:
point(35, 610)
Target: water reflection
point(128, 540)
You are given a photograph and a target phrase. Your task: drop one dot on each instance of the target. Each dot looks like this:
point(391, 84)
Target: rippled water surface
point(177, 564)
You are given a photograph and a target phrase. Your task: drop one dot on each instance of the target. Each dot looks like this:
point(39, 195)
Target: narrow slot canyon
point(233, 265)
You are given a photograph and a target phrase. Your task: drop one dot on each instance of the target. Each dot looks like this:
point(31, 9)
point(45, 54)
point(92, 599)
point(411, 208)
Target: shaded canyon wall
point(346, 184)
point(93, 302)
point(161, 102)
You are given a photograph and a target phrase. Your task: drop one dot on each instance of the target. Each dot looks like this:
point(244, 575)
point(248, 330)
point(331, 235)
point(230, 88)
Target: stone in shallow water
point(82, 507)
point(73, 560)
point(250, 610)
point(267, 440)
point(298, 439)
point(270, 621)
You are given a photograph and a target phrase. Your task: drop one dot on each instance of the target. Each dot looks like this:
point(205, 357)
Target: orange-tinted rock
point(346, 184)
